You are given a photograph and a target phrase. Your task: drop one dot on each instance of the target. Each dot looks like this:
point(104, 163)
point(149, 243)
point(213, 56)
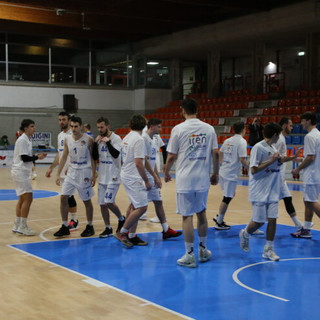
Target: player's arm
point(220, 157)
point(53, 165)
point(214, 179)
point(63, 159)
point(172, 157)
point(266, 164)
point(142, 172)
point(305, 163)
point(244, 162)
point(93, 155)
point(297, 154)
point(154, 172)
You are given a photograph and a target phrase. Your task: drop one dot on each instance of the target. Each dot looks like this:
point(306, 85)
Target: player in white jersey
point(193, 145)
point(135, 181)
point(232, 156)
point(21, 174)
point(264, 190)
point(310, 167)
point(281, 146)
point(80, 175)
point(64, 123)
point(154, 194)
point(109, 161)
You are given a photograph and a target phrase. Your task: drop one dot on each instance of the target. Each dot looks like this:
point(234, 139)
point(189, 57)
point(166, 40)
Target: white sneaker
point(155, 220)
point(268, 253)
point(143, 217)
point(25, 230)
point(204, 254)
point(244, 241)
point(188, 260)
point(15, 227)
point(258, 232)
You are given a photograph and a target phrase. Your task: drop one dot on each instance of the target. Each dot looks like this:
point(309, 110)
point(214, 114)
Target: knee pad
point(226, 200)
point(288, 204)
point(72, 202)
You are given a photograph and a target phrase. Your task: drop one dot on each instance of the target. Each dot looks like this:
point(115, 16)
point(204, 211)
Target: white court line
point(237, 281)
point(91, 281)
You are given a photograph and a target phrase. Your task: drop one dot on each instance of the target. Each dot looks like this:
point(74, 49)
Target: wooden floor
point(34, 289)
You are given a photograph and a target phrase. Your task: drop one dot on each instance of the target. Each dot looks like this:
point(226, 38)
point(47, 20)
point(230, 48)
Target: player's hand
point(58, 182)
point(42, 156)
point(148, 185)
point(275, 156)
point(158, 183)
point(295, 171)
point(93, 180)
point(105, 139)
point(48, 173)
point(214, 179)
point(167, 177)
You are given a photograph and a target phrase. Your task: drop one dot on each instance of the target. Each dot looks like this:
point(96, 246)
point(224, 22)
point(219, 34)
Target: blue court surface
point(10, 194)
point(233, 285)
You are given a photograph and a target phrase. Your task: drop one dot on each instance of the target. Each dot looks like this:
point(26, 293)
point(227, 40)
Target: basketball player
point(64, 124)
point(109, 146)
point(193, 144)
point(264, 190)
point(311, 173)
point(154, 194)
point(21, 173)
point(80, 175)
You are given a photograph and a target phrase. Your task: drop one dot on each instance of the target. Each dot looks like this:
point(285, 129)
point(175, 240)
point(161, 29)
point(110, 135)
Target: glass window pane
point(28, 72)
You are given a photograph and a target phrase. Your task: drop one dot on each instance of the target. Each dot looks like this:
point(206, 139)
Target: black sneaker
point(136, 241)
point(73, 225)
point(106, 233)
point(88, 231)
point(120, 224)
point(220, 226)
point(63, 231)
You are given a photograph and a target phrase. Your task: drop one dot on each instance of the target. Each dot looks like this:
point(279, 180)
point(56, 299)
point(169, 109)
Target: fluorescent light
point(301, 53)
point(152, 63)
point(130, 67)
point(101, 71)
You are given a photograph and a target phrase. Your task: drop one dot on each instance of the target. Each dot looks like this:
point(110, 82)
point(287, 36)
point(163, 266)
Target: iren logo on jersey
point(197, 139)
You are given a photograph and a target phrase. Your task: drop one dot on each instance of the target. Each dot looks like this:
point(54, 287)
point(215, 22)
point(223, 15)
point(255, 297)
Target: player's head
point(272, 131)
point(137, 122)
point(154, 124)
point(27, 126)
point(76, 124)
point(87, 127)
point(189, 106)
point(286, 125)
point(308, 120)
point(103, 125)
point(238, 127)
point(64, 120)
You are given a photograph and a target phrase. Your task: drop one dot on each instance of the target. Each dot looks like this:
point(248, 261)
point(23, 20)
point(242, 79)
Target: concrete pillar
point(214, 72)
point(176, 79)
point(258, 67)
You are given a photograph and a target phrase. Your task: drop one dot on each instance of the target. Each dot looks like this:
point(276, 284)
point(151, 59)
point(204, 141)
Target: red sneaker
point(171, 234)
point(123, 238)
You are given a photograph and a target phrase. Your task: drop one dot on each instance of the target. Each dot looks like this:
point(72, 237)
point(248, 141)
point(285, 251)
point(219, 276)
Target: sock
point(189, 247)
point(23, 221)
point(131, 235)
point(165, 227)
point(246, 234)
point(203, 242)
point(122, 218)
point(124, 230)
point(89, 223)
point(296, 221)
point(220, 218)
point(307, 225)
point(108, 226)
point(18, 220)
point(269, 244)
point(74, 216)
point(65, 223)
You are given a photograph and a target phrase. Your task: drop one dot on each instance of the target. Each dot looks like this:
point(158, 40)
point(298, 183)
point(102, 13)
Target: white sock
point(108, 226)
point(189, 247)
point(23, 221)
point(89, 223)
point(203, 242)
point(307, 225)
point(220, 218)
point(296, 221)
point(18, 220)
point(65, 223)
point(246, 234)
point(123, 230)
point(131, 235)
point(165, 227)
point(74, 216)
point(269, 244)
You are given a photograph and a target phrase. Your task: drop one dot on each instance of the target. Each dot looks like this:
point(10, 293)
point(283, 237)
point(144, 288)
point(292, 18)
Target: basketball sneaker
point(120, 224)
point(204, 254)
point(258, 232)
point(63, 231)
point(25, 230)
point(136, 241)
point(302, 233)
point(220, 226)
point(244, 241)
point(155, 220)
point(88, 231)
point(268, 253)
point(15, 227)
point(106, 233)
point(144, 217)
point(188, 260)
point(123, 238)
point(73, 225)
point(170, 233)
